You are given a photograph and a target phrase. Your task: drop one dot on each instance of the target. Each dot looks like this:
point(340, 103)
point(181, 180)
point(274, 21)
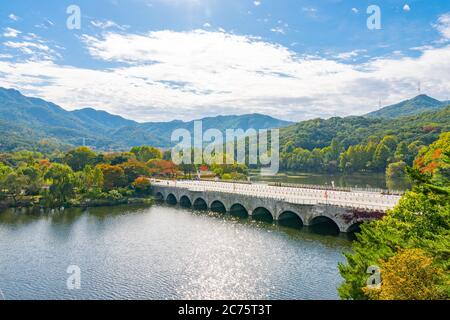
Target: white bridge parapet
point(306, 203)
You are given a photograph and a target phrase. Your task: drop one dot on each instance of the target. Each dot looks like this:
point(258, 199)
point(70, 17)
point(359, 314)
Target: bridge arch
point(354, 228)
point(200, 204)
point(263, 214)
point(159, 197)
point(185, 201)
point(290, 219)
point(171, 199)
point(324, 225)
point(238, 209)
point(218, 206)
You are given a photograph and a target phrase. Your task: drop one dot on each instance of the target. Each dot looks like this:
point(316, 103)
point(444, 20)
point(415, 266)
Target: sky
point(160, 60)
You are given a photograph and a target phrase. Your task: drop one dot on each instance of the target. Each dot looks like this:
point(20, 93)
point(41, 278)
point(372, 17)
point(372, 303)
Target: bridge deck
point(357, 200)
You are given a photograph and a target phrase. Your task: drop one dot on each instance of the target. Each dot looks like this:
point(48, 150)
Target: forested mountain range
point(416, 105)
point(24, 121)
point(35, 124)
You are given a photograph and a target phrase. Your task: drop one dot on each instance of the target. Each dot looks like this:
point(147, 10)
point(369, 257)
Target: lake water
point(164, 252)
point(358, 180)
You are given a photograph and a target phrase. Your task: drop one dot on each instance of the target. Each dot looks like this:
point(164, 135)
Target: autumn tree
point(142, 186)
point(409, 275)
point(134, 169)
point(162, 167)
point(113, 177)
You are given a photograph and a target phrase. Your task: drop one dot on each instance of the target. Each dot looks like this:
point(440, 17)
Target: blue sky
point(153, 60)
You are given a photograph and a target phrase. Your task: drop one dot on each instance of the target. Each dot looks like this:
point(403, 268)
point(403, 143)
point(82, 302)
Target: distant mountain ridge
point(26, 120)
point(416, 105)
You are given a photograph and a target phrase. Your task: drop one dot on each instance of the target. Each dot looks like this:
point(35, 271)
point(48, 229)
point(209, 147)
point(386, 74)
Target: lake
point(358, 180)
point(164, 252)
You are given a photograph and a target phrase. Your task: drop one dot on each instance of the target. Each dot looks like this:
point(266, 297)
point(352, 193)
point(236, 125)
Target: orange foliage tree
point(160, 167)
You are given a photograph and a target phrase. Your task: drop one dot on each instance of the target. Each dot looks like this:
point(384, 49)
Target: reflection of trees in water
point(398, 184)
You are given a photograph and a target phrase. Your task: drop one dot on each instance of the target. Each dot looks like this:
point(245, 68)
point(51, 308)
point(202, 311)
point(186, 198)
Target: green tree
point(402, 152)
point(63, 183)
point(79, 158)
point(421, 220)
point(145, 153)
point(91, 180)
point(396, 170)
point(381, 157)
point(13, 185)
point(34, 179)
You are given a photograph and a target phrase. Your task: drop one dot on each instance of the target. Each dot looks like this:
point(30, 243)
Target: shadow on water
point(289, 225)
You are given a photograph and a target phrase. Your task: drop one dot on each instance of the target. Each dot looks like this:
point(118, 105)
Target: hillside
point(24, 121)
point(419, 104)
point(319, 133)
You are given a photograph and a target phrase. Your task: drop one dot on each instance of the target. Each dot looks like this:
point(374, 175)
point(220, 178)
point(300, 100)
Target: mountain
point(26, 120)
point(102, 118)
point(319, 133)
point(160, 132)
point(417, 105)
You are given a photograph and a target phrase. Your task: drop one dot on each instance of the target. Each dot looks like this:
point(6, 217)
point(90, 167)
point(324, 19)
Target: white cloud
point(108, 24)
point(278, 30)
point(34, 50)
point(13, 17)
point(6, 56)
point(11, 33)
point(167, 74)
point(310, 11)
point(443, 25)
point(207, 25)
point(406, 8)
point(257, 3)
point(350, 55)
point(45, 25)
point(355, 10)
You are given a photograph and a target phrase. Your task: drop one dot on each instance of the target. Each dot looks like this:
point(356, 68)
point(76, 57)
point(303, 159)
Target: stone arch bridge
point(345, 210)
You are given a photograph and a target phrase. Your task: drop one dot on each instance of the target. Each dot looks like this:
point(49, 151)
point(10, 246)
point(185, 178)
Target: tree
point(145, 153)
point(142, 186)
point(381, 157)
point(421, 220)
point(401, 153)
point(396, 170)
point(113, 177)
point(134, 169)
point(13, 184)
point(390, 142)
point(162, 167)
point(91, 178)
point(63, 183)
point(34, 179)
point(119, 157)
point(409, 275)
point(80, 157)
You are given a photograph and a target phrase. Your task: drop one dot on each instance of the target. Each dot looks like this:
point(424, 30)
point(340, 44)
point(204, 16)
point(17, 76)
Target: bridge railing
point(372, 201)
